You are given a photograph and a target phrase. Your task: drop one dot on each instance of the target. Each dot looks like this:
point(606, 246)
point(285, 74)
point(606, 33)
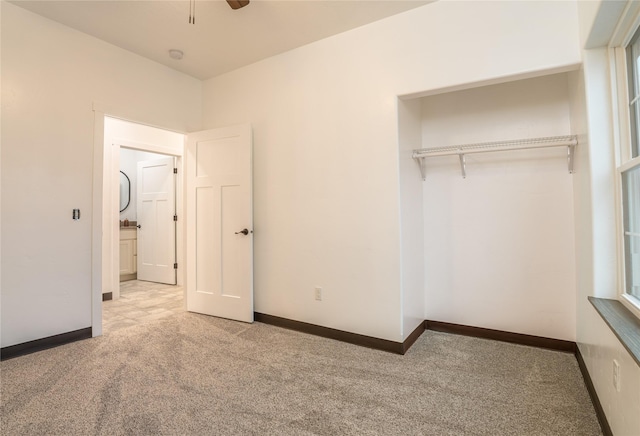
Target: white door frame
point(102, 177)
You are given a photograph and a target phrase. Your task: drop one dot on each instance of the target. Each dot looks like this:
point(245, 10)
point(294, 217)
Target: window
point(629, 171)
point(631, 219)
point(633, 69)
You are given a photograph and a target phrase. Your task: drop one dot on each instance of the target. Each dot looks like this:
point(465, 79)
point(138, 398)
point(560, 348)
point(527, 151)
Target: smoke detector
point(176, 54)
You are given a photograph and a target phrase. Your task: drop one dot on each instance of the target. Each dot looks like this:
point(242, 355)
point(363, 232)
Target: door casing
point(106, 157)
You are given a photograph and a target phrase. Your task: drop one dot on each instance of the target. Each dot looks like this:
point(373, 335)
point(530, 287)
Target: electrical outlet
point(616, 375)
point(318, 293)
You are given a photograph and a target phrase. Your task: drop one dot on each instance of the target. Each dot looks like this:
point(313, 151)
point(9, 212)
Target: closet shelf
point(487, 147)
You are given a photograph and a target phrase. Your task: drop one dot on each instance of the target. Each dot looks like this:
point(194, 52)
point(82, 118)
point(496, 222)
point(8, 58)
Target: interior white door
point(157, 232)
point(219, 243)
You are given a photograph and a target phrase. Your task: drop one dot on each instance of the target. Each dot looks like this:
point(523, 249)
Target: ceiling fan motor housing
point(237, 4)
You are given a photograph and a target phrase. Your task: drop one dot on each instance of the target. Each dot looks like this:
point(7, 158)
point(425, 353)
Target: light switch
point(76, 214)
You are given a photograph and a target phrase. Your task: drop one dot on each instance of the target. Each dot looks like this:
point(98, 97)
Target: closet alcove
point(494, 249)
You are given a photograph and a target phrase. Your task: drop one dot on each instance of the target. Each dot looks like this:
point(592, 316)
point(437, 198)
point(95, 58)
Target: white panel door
point(219, 242)
point(157, 229)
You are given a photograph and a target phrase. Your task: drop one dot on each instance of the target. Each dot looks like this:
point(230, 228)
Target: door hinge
point(175, 217)
point(175, 266)
point(175, 171)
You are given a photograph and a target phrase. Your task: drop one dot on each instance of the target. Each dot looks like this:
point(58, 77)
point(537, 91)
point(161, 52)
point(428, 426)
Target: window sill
point(622, 322)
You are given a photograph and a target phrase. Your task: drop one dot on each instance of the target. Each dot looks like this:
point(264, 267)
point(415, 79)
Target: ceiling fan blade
point(237, 4)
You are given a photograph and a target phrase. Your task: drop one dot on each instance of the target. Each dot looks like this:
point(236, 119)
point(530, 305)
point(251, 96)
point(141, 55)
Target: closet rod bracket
point(423, 167)
point(463, 164)
point(571, 149)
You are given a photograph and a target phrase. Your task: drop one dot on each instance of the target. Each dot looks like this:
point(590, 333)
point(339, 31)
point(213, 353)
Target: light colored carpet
point(190, 374)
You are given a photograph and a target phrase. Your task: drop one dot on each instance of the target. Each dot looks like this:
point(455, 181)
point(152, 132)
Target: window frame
point(623, 142)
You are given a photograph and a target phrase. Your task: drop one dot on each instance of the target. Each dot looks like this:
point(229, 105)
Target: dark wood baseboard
point(127, 277)
point(413, 337)
point(602, 419)
point(340, 335)
point(44, 343)
point(107, 296)
point(498, 335)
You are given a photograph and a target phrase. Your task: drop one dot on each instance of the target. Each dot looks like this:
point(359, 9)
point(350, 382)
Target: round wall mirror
point(125, 191)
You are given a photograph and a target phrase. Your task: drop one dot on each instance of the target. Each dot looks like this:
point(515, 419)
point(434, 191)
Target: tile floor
point(141, 302)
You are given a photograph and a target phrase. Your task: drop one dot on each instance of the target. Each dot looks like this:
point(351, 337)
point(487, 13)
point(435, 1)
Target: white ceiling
point(222, 39)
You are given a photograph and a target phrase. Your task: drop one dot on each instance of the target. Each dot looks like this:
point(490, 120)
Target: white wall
point(120, 133)
point(51, 76)
point(499, 245)
point(411, 219)
point(129, 159)
point(594, 212)
point(0, 179)
point(325, 128)
point(600, 347)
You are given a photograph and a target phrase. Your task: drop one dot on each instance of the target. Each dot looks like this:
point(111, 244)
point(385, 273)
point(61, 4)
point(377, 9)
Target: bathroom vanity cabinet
point(128, 253)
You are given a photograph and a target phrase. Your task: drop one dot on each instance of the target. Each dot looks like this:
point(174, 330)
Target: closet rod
point(487, 147)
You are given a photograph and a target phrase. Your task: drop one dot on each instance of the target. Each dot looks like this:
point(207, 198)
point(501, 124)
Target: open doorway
point(141, 238)
point(214, 179)
point(147, 217)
